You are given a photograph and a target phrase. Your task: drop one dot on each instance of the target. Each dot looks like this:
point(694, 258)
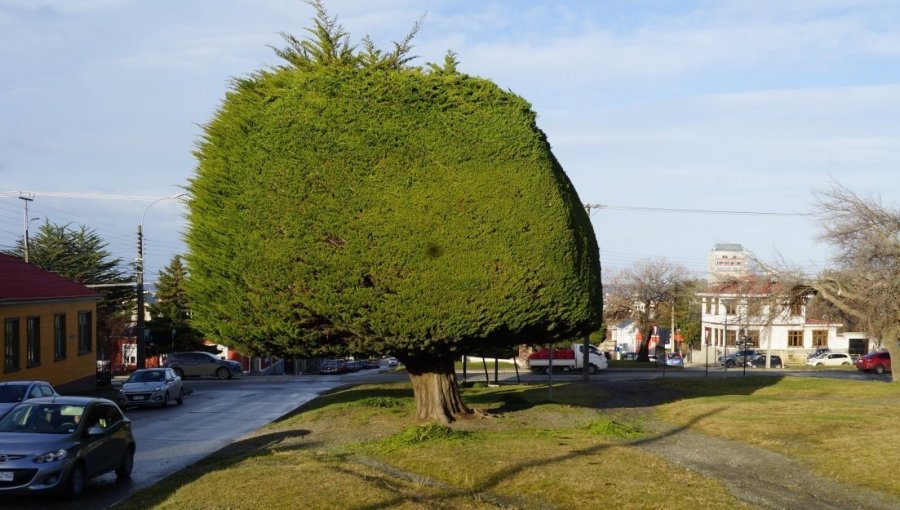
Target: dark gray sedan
point(57, 444)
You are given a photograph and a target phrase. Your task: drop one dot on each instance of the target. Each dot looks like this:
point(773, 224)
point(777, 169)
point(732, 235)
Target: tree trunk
point(644, 349)
point(435, 389)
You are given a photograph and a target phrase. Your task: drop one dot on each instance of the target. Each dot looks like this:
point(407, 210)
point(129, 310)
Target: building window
point(731, 338)
point(795, 339)
point(11, 344)
point(33, 341)
point(708, 336)
point(754, 337)
point(820, 338)
point(59, 336)
point(85, 338)
point(796, 306)
point(730, 306)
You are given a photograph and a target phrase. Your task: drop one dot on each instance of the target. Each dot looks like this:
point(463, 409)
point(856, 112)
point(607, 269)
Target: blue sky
point(715, 105)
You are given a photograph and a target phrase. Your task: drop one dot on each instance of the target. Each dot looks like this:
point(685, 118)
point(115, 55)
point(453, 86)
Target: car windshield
point(147, 376)
point(42, 418)
point(10, 393)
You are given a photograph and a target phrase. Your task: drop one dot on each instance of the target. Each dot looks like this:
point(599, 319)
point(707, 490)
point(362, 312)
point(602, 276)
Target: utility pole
point(139, 274)
point(586, 344)
point(26, 197)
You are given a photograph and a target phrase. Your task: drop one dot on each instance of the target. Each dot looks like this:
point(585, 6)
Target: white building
point(623, 336)
point(741, 312)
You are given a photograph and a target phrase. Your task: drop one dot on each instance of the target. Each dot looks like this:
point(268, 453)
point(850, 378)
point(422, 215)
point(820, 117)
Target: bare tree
point(865, 284)
point(644, 293)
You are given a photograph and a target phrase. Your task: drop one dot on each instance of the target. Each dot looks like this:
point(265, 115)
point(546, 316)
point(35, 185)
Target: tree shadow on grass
point(613, 394)
point(484, 490)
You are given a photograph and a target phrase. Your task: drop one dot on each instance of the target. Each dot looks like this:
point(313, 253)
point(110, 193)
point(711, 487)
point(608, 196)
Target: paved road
point(214, 414)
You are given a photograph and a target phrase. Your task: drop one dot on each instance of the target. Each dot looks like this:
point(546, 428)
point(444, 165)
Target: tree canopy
point(170, 312)
point(865, 284)
point(349, 202)
point(645, 293)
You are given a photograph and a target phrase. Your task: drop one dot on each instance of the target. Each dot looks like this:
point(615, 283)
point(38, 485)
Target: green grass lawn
point(358, 448)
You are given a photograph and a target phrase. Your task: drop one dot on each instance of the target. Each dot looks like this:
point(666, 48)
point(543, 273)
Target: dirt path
point(757, 476)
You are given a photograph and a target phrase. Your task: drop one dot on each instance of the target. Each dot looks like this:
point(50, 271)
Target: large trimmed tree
point(348, 202)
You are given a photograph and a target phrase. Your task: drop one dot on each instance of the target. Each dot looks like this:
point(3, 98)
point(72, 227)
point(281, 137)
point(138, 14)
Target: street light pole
point(139, 277)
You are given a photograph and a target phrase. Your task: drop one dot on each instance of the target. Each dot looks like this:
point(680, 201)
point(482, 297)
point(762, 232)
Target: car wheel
point(546, 370)
point(729, 364)
point(818, 364)
point(222, 373)
point(179, 372)
point(165, 402)
point(180, 399)
point(124, 469)
point(879, 369)
point(845, 364)
point(592, 369)
point(75, 484)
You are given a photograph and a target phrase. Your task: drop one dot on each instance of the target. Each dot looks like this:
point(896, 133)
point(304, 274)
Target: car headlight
point(51, 457)
point(161, 387)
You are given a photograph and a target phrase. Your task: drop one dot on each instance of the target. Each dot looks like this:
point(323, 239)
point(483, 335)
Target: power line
point(139, 198)
point(590, 207)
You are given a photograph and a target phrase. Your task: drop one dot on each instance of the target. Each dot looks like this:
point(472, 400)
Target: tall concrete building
point(726, 261)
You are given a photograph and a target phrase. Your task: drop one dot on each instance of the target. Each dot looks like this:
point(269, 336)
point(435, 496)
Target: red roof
point(23, 282)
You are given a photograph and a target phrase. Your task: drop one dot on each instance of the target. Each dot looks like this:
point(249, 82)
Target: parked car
point(738, 357)
point(151, 387)
point(13, 392)
point(880, 362)
point(333, 366)
point(355, 365)
point(830, 359)
point(57, 444)
point(759, 361)
point(818, 352)
point(629, 356)
point(391, 361)
point(674, 360)
point(199, 363)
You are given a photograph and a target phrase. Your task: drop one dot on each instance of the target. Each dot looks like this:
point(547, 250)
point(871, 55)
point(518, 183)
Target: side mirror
point(94, 431)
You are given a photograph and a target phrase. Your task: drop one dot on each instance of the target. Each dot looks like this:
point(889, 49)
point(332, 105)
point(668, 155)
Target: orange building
point(49, 327)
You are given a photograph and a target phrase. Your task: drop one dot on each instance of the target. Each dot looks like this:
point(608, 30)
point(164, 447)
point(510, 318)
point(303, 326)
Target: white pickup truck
point(567, 359)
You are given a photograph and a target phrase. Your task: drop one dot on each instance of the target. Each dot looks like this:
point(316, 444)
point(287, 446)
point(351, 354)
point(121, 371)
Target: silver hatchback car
point(151, 387)
point(13, 392)
point(57, 444)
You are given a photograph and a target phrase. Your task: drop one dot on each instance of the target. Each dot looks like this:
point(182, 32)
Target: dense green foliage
point(80, 254)
point(354, 204)
point(170, 312)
